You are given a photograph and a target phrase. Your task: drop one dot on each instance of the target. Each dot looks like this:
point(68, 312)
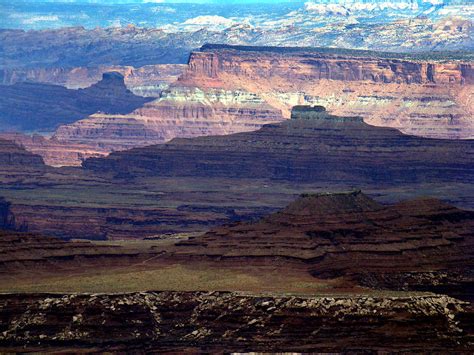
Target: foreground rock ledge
point(232, 321)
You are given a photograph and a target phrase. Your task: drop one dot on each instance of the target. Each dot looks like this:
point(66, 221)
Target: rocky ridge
point(419, 95)
point(420, 244)
point(226, 321)
point(310, 150)
point(148, 80)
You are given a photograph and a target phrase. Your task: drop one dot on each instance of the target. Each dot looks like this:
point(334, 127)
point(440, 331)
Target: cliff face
point(179, 112)
point(294, 66)
point(226, 322)
point(14, 158)
point(54, 152)
point(418, 96)
point(7, 220)
point(308, 150)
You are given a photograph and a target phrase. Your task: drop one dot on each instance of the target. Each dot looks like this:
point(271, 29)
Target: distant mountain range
point(179, 16)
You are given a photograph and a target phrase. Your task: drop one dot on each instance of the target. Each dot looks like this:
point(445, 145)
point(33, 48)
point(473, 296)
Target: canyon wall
point(426, 97)
point(179, 112)
point(313, 149)
point(231, 321)
point(43, 107)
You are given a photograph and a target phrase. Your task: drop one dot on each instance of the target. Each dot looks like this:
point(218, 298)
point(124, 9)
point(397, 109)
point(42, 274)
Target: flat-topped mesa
point(311, 150)
point(307, 112)
point(331, 64)
point(421, 94)
point(320, 204)
point(349, 235)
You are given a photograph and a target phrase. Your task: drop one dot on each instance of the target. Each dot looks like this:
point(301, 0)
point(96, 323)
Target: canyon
point(309, 271)
point(293, 177)
point(230, 89)
point(192, 184)
point(28, 106)
point(426, 96)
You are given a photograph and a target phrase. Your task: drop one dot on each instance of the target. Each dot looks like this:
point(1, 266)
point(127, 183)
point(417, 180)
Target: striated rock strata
point(148, 80)
point(179, 112)
point(55, 152)
point(319, 149)
point(191, 185)
point(421, 244)
point(226, 322)
point(430, 97)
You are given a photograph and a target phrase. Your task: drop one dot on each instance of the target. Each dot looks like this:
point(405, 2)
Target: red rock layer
point(409, 244)
point(180, 112)
point(418, 96)
point(54, 152)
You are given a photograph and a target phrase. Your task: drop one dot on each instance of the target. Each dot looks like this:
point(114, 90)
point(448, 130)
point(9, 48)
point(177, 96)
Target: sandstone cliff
point(321, 149)
point(422, 96)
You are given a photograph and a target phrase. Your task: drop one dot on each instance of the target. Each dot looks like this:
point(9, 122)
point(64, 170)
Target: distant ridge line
point(433, 55)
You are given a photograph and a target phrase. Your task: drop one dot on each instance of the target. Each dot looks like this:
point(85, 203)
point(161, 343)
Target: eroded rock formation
point(420, 244)
point(226, 322)
point(32, 106)
point(418, 95)
point(179, 112)
point(148, 80)
point(320, 149)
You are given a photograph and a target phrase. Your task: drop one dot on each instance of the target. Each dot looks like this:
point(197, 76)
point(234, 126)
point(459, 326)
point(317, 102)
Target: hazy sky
point(111, 2)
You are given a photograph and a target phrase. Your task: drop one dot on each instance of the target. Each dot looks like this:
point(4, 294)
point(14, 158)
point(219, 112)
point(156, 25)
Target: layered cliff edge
point(310, 147)
point(230, 321)
point(420, 95)
point(421, 244)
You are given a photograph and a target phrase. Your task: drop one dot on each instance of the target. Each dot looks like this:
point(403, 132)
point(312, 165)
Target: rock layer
point(418, 244)
point(226, 322)
point(318, 149)
point(148, 80)
point(179, 112)
point(417, 95)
